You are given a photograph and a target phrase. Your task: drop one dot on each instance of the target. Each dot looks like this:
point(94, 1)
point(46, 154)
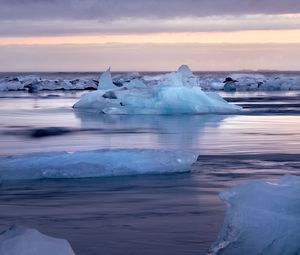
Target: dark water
point(151, 214)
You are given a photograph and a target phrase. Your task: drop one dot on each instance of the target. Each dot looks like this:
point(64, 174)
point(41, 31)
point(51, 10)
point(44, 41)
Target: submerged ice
point(261, 218)
point(173, 93)
point(25, 241)
point(99, 163)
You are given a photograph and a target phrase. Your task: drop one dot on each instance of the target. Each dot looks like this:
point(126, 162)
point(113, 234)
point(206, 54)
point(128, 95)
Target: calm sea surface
point(146, 214)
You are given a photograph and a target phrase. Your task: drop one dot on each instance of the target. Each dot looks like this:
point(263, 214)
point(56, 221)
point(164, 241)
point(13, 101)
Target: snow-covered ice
point(99, 163)
point(173, 93)
point(261, 218)
point(25, 241)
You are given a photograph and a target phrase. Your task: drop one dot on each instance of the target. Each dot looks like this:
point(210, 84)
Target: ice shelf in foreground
point(262, 218)
point(25, 241)
point(173, 93)
point(99, 163)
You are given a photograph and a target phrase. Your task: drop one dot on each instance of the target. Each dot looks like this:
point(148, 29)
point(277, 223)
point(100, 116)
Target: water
point(153, 214)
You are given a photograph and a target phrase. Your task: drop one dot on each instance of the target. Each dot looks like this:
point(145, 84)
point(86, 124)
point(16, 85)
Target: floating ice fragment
point(261, 218)
point(25, 241)
point(99, 163)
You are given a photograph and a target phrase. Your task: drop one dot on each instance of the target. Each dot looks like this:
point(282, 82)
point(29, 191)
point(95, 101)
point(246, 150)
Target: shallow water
point(151, 214)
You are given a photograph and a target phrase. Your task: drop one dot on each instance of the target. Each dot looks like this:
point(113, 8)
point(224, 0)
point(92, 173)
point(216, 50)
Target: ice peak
point(105, 81)
point(185, 70)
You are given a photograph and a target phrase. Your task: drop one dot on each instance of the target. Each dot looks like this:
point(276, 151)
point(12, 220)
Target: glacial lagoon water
point(144, 214)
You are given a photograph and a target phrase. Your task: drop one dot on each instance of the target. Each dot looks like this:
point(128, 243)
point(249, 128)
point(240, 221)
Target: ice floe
point(99, 163)
point(261, 218)
point(26, 241)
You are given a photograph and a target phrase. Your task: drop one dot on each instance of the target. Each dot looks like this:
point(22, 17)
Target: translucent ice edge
point(26, 241)
point(261, 218)
point(99, 163)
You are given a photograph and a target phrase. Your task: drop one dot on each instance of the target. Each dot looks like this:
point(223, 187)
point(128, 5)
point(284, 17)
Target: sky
point(149, 35)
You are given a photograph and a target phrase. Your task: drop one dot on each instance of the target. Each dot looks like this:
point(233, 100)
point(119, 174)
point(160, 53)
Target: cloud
point(116, 9)
point(147, 26)
point(78, 17)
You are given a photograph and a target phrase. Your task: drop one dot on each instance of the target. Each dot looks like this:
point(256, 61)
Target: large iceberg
point(173, 93)
point(262, 218)
point(25, 241)
point(99, 163)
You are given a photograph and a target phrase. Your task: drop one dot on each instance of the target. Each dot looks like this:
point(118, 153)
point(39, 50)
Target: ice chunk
point(174, 93)
point(172, 100)
point(98, 163)
point(82, 84)
point(261, 218)
point(127, 77)
point(216, 85)
point(10, 84)
point(25, 241)
point(172, 79)
point(105, 81)
point(183, 77)
point(29, 79)
point(135, 84)
point(96, 100)
point(185, 70)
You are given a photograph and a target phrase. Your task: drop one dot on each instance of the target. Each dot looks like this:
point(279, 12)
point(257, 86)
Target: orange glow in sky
point(260, 36)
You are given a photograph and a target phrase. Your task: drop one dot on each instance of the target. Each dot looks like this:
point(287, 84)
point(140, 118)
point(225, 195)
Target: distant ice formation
point(99, 163)
point(32, 83)
point(172, 93)
point(261, 218)
point(25, 241)
point(253, 82)
point(250, 81)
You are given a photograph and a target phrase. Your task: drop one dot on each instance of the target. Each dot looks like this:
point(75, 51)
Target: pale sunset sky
point(149, 35)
